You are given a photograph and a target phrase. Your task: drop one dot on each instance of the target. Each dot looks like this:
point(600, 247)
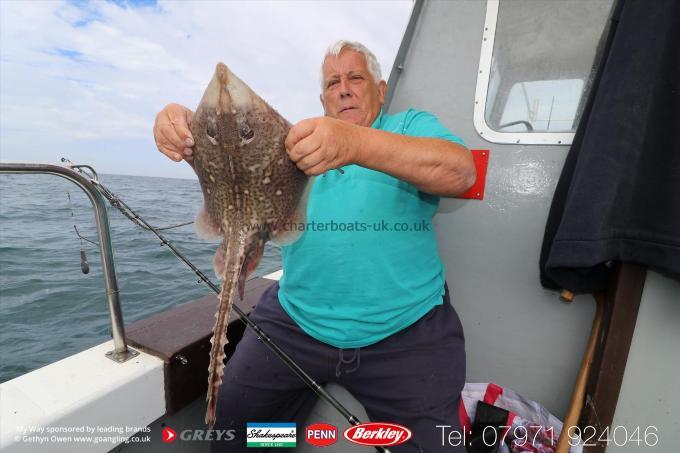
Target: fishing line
point(94, 178)
point(119, 204)
point(83, 238)
point(84, 264)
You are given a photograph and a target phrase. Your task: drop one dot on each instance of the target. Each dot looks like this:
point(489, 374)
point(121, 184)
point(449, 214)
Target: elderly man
point(363, 304)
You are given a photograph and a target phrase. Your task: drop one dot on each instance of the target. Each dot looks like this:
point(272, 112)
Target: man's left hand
point(317, 145)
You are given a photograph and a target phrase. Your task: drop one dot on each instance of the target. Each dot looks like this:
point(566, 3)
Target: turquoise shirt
point(367, 264)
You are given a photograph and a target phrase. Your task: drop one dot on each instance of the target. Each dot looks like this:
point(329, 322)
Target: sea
point(49, 309)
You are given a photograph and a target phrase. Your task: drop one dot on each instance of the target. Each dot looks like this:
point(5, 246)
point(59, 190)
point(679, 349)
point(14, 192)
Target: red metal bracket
point(481, 158)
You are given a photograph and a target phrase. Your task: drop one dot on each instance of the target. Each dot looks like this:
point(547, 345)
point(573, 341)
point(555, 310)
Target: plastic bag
point(530, 427)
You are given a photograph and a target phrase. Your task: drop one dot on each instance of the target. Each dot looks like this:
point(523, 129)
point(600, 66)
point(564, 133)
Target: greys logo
point(224, 435)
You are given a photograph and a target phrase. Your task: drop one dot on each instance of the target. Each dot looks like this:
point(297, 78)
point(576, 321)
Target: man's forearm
point(435, 166)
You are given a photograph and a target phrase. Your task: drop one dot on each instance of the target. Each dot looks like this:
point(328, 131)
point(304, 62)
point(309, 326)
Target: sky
point(85, 79)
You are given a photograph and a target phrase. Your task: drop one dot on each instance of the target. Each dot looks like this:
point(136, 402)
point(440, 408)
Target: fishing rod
point(119, 204)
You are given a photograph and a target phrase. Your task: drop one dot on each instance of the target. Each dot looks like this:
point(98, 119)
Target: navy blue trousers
point(412, 378)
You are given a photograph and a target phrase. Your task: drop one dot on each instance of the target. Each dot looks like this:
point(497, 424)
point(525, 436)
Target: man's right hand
point(172, 132)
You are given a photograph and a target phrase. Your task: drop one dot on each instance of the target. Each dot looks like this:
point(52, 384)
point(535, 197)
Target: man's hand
point(317, 145)
point(172, 132)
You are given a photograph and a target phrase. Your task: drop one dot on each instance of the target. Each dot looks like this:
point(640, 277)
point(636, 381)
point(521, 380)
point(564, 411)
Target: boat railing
point(121, 352)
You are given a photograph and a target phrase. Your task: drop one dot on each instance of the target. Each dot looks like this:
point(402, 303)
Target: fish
point(252, 191)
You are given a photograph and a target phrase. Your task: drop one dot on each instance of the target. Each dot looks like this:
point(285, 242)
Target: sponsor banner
point(321, 434)
point(378, 434)
point(271, 435)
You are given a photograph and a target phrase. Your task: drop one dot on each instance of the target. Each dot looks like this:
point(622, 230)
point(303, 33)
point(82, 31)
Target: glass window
point(541, 105)
point(537, 67)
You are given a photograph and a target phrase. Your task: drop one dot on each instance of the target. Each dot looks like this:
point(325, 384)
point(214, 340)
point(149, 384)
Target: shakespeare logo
point(271, 435)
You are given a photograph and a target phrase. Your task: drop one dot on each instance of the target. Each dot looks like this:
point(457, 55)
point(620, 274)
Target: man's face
point(349, 92)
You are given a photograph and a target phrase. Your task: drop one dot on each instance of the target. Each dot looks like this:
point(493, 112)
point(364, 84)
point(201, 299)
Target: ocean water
point(48, 308)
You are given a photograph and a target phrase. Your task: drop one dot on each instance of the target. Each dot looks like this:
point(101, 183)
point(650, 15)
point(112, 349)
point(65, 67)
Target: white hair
point(371, 62)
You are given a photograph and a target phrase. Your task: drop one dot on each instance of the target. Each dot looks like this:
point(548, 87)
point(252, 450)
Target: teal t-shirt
point(367, 264)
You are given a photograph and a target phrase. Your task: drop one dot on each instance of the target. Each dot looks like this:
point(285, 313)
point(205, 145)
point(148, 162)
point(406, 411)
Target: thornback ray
point(252, 193)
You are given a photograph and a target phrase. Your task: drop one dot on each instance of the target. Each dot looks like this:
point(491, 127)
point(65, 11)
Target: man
point(364, 303)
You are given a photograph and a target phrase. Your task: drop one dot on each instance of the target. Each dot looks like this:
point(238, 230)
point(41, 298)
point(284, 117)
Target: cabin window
point(536, 66)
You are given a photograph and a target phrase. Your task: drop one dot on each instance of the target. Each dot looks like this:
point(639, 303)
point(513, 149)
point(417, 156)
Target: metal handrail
point(121, 353)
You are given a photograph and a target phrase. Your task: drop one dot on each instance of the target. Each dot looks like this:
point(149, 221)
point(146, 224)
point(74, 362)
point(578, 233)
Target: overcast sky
point(84, 80)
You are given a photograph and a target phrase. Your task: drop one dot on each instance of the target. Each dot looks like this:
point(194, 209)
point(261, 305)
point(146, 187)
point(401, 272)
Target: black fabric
point(489, 429)
point(618, 197)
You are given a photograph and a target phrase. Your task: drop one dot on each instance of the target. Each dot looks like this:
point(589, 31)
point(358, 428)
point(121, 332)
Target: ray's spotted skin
point(252, 191)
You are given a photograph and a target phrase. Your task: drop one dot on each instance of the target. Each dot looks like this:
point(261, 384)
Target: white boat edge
point(85, 390)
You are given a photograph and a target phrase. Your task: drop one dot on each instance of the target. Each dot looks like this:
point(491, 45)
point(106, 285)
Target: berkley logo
point(378, 434)
point(321, 434)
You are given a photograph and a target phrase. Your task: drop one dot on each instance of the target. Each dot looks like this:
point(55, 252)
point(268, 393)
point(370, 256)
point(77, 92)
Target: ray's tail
point(234, 257)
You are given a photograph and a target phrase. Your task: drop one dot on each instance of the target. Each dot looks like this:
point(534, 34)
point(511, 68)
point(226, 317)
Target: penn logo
point(378, 434)
point(321, 434)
